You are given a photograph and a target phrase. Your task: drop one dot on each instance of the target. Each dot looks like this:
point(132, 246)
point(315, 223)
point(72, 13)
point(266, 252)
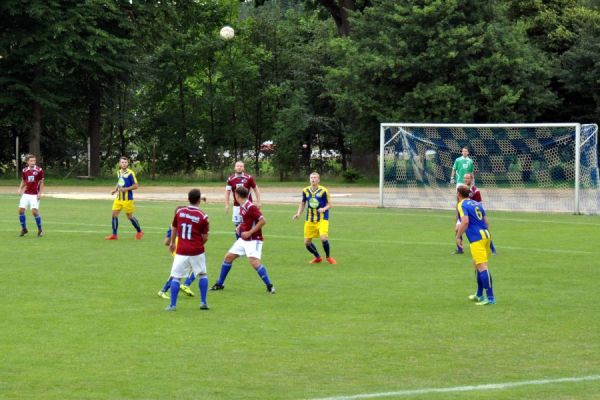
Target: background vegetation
point(304, 84)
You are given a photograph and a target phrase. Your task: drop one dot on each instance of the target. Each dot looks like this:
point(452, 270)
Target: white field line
point(474, 388)
point(162, 230)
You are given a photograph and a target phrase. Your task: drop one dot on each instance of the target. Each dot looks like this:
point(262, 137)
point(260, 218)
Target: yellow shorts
point(480, 251)
point(125, 205)
point(313, 230)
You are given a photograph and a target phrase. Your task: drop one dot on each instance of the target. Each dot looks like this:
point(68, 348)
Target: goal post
point(520, 167)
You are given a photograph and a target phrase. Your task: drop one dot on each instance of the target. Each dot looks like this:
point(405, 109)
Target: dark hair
point(124, 158)
point(463, 191)
point(241, 192)
point(194, 196)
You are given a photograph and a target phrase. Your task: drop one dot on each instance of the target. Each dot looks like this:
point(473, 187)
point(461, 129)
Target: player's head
point(123, 162)
point(30, 160)
point(194, 196)
point(239, 167)
point(241, 193)
point(465, 151)
point(468, 179)
point(462, 192)
point(315, 178)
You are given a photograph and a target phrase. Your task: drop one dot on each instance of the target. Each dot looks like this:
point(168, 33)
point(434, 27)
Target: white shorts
point(29, 200)
point(235, 215)
point(183, 265)
point(248, 248)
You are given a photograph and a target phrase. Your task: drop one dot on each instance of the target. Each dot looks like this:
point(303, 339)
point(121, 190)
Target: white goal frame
point(575, 126)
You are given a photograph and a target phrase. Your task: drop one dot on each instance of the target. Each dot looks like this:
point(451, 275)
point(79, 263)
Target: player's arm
point(485, 219)
point(300, 209)
point(464, 223)
point(41, 189)
point(256, 194)
point(173, 236)
point(204, 238)
point(21, 186)
point(227, 195)
point(259, 224)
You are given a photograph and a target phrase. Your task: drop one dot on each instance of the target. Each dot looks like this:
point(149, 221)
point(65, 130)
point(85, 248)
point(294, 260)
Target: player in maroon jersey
point(31, 190)
point(190, 228)
point(239, 178)
point(249, 243)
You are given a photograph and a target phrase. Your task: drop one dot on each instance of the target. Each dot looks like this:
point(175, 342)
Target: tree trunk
point(94, 118)
point(35, 134)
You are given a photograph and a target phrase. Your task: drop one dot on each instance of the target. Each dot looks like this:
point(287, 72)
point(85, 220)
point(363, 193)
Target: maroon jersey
point(250, 217)
point(191, 224)
point(475, 194)
point(32, 178)
point(236, 180)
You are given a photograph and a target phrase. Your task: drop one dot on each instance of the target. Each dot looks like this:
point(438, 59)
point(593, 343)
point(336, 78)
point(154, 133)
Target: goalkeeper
point(462, 165)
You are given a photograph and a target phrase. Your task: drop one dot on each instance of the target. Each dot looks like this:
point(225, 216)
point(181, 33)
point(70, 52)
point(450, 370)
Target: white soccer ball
point(227, 33)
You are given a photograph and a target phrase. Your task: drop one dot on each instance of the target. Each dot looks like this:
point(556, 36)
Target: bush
point(351, 175)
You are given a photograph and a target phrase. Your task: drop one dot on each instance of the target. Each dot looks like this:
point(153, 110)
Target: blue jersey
point(477, 228)
point(315, 199)
point(126, 179)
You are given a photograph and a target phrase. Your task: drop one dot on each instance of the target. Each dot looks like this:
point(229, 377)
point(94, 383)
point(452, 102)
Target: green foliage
point(351, 175)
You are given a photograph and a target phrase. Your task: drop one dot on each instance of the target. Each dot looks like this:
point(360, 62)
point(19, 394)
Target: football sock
point(262, 272)
point(38, 221)
point(311, 247)
point(22, 220)
point(492, 247)
point(167, 285)
point(189, 279)
point(115, 225)
point(479, 284)
point(486, 281)
point(203, 286)
point(237, 235)
point(225, 267)
point(135, 224)
point(174, 291)
point(326, 247)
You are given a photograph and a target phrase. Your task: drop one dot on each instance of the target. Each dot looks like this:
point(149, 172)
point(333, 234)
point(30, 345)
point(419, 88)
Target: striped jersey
point(126, 179)
point(315, 199)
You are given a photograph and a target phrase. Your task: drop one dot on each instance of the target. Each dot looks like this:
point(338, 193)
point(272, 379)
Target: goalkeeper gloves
point(452, 181)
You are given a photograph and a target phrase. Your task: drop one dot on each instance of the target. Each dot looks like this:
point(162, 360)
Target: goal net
point(522, 167)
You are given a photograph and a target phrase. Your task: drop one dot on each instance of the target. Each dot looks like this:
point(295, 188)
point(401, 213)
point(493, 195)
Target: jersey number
point(478, 213)
point(186, 231)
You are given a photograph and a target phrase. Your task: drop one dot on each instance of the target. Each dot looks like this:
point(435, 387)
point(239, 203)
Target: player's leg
point(163, 292)
point(116, 210)
point(478, 296)
point(22, 217)
point(481, 257)
point(38, 219)
point(324, 235)
point(178, 271)
point(185, 288)
point(199, 269)
point(254, 253)
point(129, 208)
point(311, 231)
point(227, 264)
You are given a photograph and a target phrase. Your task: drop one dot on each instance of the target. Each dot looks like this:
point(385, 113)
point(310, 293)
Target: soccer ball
point(227, 32)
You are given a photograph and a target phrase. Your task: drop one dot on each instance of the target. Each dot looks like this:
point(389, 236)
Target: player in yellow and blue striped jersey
point(126, 184)
point(474, 222)
point(318, 202)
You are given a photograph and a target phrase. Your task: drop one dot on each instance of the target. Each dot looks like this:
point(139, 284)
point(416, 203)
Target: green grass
point(80, 317)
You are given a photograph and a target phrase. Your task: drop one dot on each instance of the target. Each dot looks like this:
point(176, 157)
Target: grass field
point(81, 320)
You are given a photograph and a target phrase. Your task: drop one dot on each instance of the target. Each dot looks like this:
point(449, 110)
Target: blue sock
point(174, 291)
point(189, 279)
point(203, 286)
point(167, 285)
point(326, 247)
point(486, 281)
point(479, 284)
point(22, 220)
point(237, 235)
point(135, 224)
point(492, 247)
point(225, 267)
point(311, 247)
point(115, 224)
point(38, 221)
point(262, 272)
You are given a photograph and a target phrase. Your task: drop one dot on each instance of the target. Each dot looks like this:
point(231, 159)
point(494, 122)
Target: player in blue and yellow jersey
point(126, 184)
point(318, 202)
point(474, 221)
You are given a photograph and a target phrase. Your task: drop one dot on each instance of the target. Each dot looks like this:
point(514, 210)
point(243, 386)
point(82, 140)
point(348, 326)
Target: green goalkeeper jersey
point(462, 166)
